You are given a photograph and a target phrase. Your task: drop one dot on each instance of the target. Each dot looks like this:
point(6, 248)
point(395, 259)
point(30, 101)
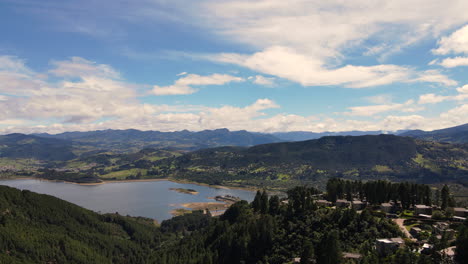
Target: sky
point(263, 65)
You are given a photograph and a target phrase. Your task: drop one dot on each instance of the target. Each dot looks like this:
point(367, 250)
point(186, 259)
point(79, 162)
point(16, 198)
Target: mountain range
point(68, 145)
point(132, 140)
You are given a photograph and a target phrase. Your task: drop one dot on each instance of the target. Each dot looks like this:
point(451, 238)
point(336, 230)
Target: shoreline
point(252, 189)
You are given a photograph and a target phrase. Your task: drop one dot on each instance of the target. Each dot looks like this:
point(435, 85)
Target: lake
point(151, 199)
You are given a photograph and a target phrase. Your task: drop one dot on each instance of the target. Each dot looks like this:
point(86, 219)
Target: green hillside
point(37, 228)
point(314, 161)
point(26, 146)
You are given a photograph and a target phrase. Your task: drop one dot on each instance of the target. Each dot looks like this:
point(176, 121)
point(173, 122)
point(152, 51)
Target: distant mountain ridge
point(457, 134)
point(305, 135)
point(68, 145)
point(132, 140)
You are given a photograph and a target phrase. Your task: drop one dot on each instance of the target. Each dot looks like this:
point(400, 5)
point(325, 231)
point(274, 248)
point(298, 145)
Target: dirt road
point(399, 222)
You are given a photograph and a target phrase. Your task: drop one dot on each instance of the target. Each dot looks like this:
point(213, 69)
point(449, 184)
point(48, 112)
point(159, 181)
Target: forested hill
point(362, 157)
point(36, 228)
point(27, 146)
point(458, 134)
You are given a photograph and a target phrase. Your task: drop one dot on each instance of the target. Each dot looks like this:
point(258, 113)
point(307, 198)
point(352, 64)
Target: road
point(399, 222)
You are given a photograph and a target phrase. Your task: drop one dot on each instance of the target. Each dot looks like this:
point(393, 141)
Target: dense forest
point(38, 228)
point(377, 192)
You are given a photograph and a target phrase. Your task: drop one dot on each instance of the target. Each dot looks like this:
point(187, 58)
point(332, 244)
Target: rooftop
point(349, 255)
point(398, 240)
point(422, 206)
point(342, 201)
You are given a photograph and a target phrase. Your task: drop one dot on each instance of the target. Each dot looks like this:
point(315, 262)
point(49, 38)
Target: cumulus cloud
point(371, 110)
point(94, 93)
point(308, 71)
point(185, 84)
point(463, 89)
point(306, 42)
point(81, 101)
point(318, 34)
point(262, 80)
point(454, 62)
point(433, 98)
point(433, 76)
point(457, 42)
point(79, 67)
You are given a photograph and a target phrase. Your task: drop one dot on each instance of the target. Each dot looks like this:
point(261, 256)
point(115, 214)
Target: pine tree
point(274, 205)
point(264, 202)
point(256, 204)
point(445, 196)
point(461, 252)
point(330, 250)
point(307, 254)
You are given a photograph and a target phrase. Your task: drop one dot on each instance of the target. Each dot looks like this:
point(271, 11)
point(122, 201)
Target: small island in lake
point(186, 191)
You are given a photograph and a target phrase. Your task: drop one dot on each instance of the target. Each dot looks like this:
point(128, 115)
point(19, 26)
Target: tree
point(445, 196)
point(437, 197)
point(256, 204)
point(274, 205)
point(330, 249)
point(264, 202)
point(461, 252)
point(307, 254)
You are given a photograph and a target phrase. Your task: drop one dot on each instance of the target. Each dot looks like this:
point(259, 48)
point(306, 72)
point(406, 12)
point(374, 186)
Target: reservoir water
point(150, 199)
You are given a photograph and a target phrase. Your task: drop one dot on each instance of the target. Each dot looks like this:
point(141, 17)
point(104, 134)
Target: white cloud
point(454, 62)
point(12, 122)
point(32, 103)
point(433, 98)
point(184, 84)
point(371, 110)
point(289, 64)
point(96, 92)
point(380, 99)
point(457, 42)
point(433, 76)
point(262, 80)
point(307, 41)
point(182, 73)
point(79, 67)
point(321, 33)
point(463, 89)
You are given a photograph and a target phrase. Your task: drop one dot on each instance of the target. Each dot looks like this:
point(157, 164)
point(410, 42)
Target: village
point(424, 227)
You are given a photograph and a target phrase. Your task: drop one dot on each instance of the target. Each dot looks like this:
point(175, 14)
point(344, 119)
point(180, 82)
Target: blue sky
point(256, 65)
